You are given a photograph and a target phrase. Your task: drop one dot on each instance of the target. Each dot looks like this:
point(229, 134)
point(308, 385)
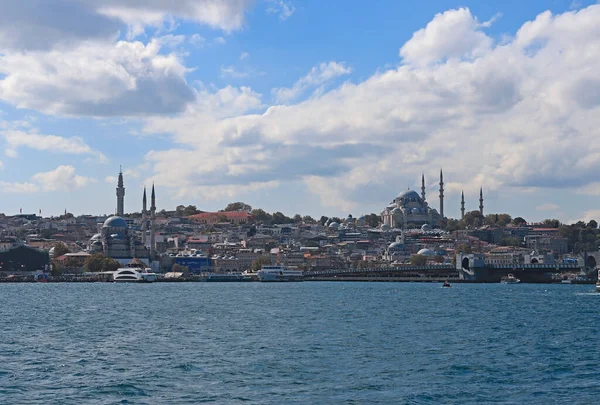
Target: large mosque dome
point(409, 194)
point(115, 222)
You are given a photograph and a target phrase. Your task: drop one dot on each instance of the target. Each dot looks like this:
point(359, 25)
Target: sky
point(311, 107)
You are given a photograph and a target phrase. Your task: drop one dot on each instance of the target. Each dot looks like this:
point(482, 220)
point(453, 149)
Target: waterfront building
point(117, 239)
point(411, 210)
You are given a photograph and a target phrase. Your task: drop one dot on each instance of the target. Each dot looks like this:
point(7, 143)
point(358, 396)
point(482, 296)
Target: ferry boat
point(133, 275)
point(279, 273)
point(510, 279)
point(598, 283)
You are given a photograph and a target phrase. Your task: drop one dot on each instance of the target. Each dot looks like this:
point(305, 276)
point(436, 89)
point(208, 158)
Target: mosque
point(117, 240)
point(411, 210)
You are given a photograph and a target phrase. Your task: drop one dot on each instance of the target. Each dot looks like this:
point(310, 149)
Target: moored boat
point(279, 273)
point(133, 275)
point(598, 283)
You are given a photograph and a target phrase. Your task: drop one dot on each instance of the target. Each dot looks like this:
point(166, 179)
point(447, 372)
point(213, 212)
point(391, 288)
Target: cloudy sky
point(312, 107)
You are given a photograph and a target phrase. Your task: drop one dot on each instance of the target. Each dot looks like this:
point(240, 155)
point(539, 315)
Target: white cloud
point(317, 76)
point(547, 207)
point(18, 188)
point(244, 55)
point(52, 143)
point(284, 9)
point(121, 79)
point(513, 114)
point(197, 40)
point(110, 180)
point(232, 72)
point(452, 34)
point(61, 178)
point(40, 25)
point(220, 41)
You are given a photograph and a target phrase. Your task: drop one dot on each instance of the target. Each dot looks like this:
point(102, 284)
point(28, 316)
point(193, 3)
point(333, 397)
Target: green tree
point(278, 218)
point(238, 206)
point(498, 219)
point(190, 210)
point(510, 241)
point(418, 260)
point(179, 210)
point(60, 249)
point(94, 263)
point(519, 221)
point(592, 224)
point(473, 219)
point(260, 261)
point(297, 218)
point(110, 264)
point(373, 220)
point(260, 215)
point(551, 223)
point(307, 219)
point(323, 220)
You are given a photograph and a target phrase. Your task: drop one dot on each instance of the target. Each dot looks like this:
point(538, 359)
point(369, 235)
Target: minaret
point(120, 195)
point(481, 201)
point(144, 219)
point(423, 186)
point(441, 193)
point(462, 204)
point(152, 220)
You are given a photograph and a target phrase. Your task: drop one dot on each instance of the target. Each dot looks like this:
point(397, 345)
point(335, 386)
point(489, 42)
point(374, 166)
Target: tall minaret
point(441, 193)
point(144, 219)
point(152, 220)
point(462, 204)
point(120, 195)
point(423, 186)
point(481, 201)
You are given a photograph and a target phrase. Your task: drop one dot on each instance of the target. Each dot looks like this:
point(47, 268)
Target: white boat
point(598, 283)
point(510, 279)
point(279, 273)
point(132, 275)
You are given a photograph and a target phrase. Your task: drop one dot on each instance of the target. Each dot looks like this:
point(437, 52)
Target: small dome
point(334, 225)
point(51, 251)
point(385, 227)
point(117, 236)
point(115, 222)
point(96, 237)
point(96, 243)
point(395, 210)
point(426, 227)
point(426, 252)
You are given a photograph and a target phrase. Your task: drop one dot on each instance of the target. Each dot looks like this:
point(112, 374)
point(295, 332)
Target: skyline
point(239, 101)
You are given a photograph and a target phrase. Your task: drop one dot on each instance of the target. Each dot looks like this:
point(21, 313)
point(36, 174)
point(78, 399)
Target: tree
point(438, 259)
point(473, 219)
point(94, 263)
point(222, 218)
point(278, 218)
point(238, 206)
point(551, 223)
point(498, 219)
point(260, 261)
point(519, 221)
point(307, 219)
point(60, 249)
point(190, 210)
point(592, 224)
point(179, 210)
point(418, 260)
point(110, 264)
point(373, 220)
point(297, 218)
point(323, 220)
point(260, 215)
point(336, 219)
point(72, 263)
point(510, 241)
point(177, 268)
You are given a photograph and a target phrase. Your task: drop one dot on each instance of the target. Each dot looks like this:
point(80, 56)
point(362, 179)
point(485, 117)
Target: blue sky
point(307, 107)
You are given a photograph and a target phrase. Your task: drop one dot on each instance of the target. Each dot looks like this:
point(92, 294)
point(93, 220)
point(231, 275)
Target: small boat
point(446, 284)
point(509, 279)
point(598, 283)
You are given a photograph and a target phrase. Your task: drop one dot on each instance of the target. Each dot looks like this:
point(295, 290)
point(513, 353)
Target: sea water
point(299, 343)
